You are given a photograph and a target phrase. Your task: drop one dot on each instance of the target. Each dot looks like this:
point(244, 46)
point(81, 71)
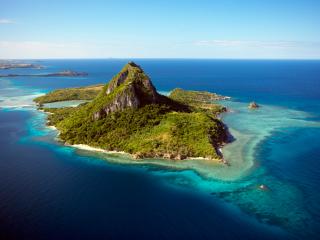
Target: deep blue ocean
point(52, 191)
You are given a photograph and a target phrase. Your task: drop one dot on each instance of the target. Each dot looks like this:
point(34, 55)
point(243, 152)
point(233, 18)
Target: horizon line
point(159, 58)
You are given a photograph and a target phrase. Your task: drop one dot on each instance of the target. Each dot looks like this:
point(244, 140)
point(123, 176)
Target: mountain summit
point(133, 75)
point(130, 88)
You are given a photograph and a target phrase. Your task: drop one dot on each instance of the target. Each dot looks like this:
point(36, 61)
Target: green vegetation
point(81, 93)
point(150, 131)
point(129, 115)
point(57, 114)
point(199, 100)
point(193, 97)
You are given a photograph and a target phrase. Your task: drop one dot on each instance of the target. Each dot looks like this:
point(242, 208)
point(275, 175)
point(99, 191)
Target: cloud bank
point(253, 44)
point(227, 49)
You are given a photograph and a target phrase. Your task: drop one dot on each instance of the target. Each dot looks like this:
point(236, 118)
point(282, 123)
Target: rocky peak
point(131, 73)
point(131, 87)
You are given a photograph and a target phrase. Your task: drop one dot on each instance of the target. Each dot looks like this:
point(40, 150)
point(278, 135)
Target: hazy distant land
point(66, 73)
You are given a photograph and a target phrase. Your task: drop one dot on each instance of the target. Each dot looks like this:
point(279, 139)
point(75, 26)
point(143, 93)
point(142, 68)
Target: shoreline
point(209, 168)
point(96, 149)
point(101, 150)
point(216, 168)
point(238, 156)
point(240, 153)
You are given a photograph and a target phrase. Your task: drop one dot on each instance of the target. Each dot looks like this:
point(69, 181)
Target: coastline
point(228, 168)
point(209, 168)
point(96, 149)
point(100, 150)
point(240, 153)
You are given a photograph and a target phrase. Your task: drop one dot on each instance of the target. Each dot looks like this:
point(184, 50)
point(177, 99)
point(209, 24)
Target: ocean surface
point(52, 191)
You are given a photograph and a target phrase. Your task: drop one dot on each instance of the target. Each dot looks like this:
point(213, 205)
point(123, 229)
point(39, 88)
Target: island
point(65, 73)
point(14, 65)
point(129, 115)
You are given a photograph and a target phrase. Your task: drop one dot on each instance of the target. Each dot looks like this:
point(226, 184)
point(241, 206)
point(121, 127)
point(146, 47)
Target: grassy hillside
point(81, 93)
point(199, 100)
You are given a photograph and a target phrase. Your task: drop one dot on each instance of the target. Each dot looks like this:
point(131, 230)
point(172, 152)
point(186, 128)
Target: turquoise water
point(275, 146)
point(61, 104)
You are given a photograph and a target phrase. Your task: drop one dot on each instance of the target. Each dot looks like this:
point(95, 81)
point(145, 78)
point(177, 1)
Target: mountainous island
point(128, 114)
point(65, 73)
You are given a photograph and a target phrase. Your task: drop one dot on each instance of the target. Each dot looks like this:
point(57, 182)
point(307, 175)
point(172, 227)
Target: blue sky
point(273, 29)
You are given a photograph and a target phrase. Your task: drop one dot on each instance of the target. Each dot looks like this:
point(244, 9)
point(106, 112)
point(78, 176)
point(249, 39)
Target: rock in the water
point(253, 105)
point(264, 187)
point(137, 155)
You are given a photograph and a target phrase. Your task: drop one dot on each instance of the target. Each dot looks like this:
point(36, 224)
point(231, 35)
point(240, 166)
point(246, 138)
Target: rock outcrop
point(253, 105)
point(130, 88)
point(127, 98)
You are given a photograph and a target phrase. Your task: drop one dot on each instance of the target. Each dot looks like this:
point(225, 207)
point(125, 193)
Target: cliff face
point(130, 88)
point(117, 81)
point(127, 98)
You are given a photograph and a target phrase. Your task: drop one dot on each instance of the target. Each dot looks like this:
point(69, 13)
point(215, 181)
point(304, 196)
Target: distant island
point(65, 73)
point(14, 65)
point(129, 115)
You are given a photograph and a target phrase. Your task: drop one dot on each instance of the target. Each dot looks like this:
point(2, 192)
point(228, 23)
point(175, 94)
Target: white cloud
point(253, 44)
point(6, 21)
point(258, 49)
point(124, 49)
point(36, 49)
point(63, 49)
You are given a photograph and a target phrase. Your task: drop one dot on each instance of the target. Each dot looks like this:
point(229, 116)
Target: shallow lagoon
point(62, 104)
